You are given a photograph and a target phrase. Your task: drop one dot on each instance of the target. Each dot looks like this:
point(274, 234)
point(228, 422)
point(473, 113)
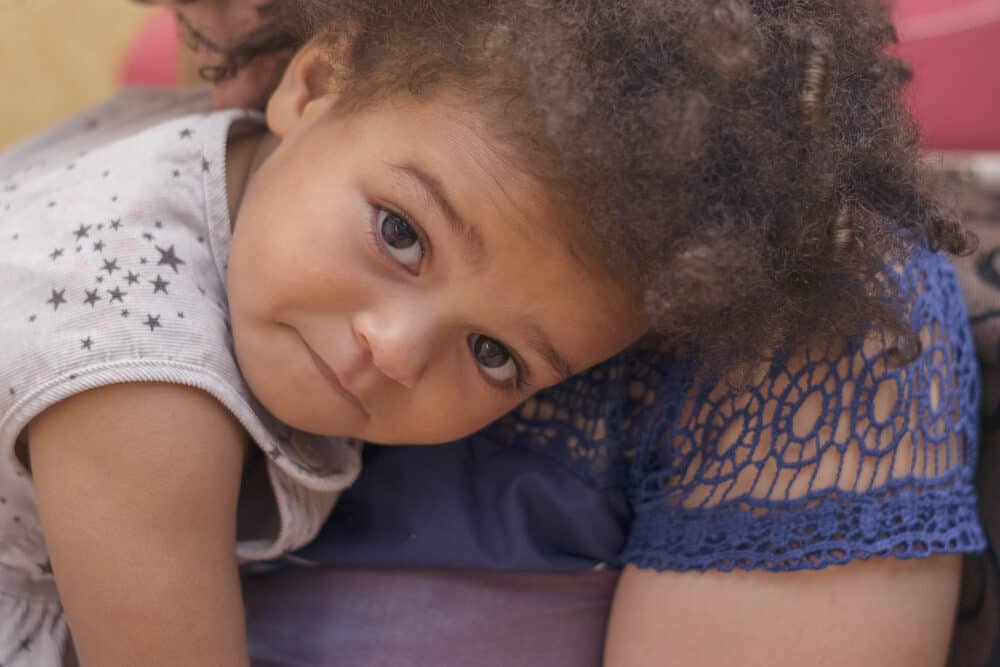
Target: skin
point(138, 509)
point(219, 24)
point(886, 612)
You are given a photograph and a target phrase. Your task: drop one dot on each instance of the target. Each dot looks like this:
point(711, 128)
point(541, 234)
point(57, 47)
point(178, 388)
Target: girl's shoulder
point(114, 264)
point(126, 113)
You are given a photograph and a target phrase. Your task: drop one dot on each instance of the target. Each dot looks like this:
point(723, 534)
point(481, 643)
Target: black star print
point(71, 166)
point(158, 224)
point(86, 343)
point(26, 642)
point(111, 266)
point(186, 133)
point(206, 165)
point(132, 278)
point(11, 393)
point(201, 239)
point(147, 236)
point(100, 226)
point(15, 237)
point(117, 295)
point(100, 279)
point(116, 223)
point(159, 285)
point(142, 260)
point(81, 231)
point(105, 173)
point(114, 198)
point(56, 253)
point(180, 315)
point(152, 322)
point(168, 257)
point(98, 246)
point(79, 248)
point(46, 567)
point(32, 318)
point(51, 204)
point(57, 298)
point(176, 172)
point(124, 312)
point(92, 297)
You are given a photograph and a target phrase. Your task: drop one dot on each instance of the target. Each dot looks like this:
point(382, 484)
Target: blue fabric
point(836, 453)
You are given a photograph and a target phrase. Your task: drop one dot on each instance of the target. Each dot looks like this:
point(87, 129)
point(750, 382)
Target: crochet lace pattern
point(836, 453)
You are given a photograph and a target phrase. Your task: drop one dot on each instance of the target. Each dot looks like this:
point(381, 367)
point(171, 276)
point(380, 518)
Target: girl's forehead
point(460, 154)
point(510, 241)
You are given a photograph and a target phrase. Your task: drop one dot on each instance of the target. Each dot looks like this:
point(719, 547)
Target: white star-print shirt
point(114, 235)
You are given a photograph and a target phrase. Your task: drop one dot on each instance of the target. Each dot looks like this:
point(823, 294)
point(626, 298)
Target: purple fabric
point(423, 618)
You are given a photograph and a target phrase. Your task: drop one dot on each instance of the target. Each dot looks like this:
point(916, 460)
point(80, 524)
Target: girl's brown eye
point(397, 232)
point(400, 239)
point(493, 357)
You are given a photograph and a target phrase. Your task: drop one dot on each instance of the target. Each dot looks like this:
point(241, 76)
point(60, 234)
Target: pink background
point(954, 48)
point(953, 45)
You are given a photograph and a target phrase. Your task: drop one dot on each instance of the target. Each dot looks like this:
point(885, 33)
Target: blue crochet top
point(835, 454)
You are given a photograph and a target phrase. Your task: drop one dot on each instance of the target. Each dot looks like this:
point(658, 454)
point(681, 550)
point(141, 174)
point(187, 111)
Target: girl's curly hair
point(750, 163)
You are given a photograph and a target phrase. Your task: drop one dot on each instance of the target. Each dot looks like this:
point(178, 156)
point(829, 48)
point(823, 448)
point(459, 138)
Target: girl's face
point(392, 280)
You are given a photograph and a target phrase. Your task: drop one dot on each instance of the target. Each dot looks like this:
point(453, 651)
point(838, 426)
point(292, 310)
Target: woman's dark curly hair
point(750, 163)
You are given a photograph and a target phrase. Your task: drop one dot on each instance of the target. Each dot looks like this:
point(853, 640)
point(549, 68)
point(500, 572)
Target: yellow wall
point(59, 56)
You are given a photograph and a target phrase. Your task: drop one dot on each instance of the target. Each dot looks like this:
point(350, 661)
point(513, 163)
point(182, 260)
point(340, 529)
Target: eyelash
point(519, 383)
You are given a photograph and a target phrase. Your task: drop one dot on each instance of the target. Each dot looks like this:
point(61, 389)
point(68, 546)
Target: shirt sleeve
point(837, 453)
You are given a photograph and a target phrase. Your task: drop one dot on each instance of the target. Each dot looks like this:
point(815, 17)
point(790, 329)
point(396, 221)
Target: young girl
point(390, 278)
point(496, 186)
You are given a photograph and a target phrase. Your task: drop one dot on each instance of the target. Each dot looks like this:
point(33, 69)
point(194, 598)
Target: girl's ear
point(306, 80)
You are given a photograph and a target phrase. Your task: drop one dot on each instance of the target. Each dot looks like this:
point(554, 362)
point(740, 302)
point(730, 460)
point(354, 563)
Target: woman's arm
point(890, 612)
point(137, 486)
point(886, 612)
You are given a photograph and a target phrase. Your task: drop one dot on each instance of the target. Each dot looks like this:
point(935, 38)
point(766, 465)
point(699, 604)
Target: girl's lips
point(334, 382)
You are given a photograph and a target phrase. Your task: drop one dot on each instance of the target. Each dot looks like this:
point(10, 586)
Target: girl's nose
point(399, 341)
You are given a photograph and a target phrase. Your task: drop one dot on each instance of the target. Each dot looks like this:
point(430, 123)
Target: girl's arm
point(137, 486)
point(886, 612)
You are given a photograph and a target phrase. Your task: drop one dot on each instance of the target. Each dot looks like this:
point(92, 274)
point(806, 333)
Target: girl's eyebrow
point(432, 189)
point(541, 344)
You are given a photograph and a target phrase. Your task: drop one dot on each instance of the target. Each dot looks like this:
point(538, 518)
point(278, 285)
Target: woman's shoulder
point(834, 451)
